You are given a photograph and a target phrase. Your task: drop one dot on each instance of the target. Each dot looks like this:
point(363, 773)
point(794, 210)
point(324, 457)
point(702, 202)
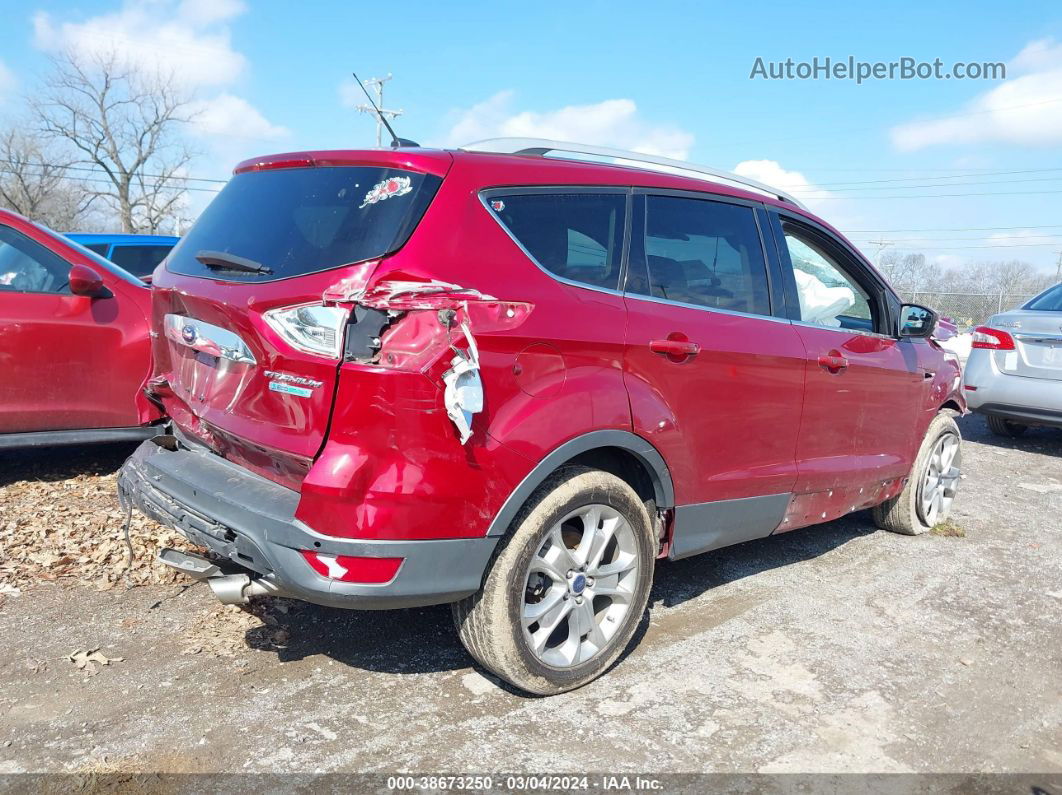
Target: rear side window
point(98, 248)
point(1050, 301)
point(704, 253)
point(576, 236)
point(139, 260)
point(296, 221)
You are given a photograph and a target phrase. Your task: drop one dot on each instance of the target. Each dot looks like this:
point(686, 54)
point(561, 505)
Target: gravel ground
point(830, 649)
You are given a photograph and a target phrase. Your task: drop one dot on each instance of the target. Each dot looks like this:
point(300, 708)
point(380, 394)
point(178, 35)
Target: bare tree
point(908, 271)
point(37, 183)
point(124, 121)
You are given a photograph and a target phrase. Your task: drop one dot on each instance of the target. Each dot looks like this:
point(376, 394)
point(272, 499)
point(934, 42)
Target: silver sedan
point(1014, 373)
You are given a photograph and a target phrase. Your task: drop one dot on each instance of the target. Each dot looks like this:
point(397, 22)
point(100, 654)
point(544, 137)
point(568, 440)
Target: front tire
point(1002, 427)
point(927, 497)
point(567, 591)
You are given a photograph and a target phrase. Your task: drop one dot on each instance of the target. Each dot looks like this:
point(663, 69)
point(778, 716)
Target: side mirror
point(85, 281)
point(917, 321)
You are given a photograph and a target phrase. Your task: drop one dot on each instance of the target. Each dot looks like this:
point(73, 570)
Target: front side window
point(28, 267)
point(828, 296)
point(576, 236)
point(704, 253)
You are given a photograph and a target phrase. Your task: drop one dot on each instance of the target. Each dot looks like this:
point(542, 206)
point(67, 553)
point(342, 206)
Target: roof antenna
point(381, 116)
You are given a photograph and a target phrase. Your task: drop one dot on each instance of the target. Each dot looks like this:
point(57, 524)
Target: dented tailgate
point(248, 348)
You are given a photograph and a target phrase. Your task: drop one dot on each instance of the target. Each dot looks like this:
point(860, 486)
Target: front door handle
point(674, 348)
point(833, 362)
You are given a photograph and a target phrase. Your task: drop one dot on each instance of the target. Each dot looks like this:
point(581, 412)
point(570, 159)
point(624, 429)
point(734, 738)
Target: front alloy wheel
point(927, 496)
point(940, 481)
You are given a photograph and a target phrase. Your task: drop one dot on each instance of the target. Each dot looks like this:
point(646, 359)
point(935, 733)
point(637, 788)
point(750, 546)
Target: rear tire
point(568, 586)
point(1002, 427)
point(926, 498)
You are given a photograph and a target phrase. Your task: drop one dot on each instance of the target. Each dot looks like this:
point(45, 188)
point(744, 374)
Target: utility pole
point(882, 245)
point(377, 84)
point(1058, 268)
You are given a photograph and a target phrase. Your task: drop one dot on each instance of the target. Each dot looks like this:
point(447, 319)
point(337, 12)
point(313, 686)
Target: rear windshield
point(1049, 301)
point(296, 221)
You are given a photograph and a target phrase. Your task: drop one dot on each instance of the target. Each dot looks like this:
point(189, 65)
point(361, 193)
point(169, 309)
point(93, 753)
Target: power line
point(96, 181)
point(936, 195)
point(936, 185)
point(101, 170)
point(947, 239)
point(952, 229)
point(953, 248)
point(942, 176)
point(875, 128)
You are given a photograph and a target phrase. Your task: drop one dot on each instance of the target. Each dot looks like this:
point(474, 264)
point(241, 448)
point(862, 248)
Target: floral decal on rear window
point(395, 186)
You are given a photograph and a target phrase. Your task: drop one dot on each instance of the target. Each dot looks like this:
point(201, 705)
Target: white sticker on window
point(395, 186)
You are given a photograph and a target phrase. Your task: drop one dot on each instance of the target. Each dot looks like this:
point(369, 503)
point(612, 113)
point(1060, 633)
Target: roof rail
point(543, 146)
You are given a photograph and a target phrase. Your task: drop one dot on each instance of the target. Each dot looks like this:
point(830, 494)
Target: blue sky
point(668, 77)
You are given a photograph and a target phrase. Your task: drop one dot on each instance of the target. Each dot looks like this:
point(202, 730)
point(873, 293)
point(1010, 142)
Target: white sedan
point(1014, 373)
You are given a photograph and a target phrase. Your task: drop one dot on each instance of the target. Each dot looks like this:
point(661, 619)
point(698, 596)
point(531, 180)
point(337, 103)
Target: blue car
point(137, 254)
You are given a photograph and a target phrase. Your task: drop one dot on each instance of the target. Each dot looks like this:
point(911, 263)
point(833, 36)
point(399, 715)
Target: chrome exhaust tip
point(237, 589)
point(230, 589)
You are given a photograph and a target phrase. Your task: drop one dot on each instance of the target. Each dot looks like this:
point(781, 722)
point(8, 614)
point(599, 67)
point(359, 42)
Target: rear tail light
point(314, 328)
point(351, 568)
point(992, 339)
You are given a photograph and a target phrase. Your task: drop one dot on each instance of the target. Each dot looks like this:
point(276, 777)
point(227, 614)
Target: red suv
point(75, 350)
point(512, 381)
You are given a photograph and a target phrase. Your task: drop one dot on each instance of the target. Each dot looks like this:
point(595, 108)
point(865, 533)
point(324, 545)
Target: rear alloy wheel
point(565, 594)
point(927, 497)
point(1002, 427)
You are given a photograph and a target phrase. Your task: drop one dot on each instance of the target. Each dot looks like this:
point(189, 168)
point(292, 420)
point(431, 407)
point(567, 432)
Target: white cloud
point(206, 12)
point(827, 204)
point(1020, 237)
point(1025, 110)
point(770, 172)
point(613, 122)
point(190, 40)
point(187, 39)
point(228, 116)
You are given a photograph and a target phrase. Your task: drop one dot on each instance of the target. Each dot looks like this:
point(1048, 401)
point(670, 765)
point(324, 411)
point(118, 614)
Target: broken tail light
point(412, 325)
point(352, 568)
point(992, 339)
point(313, 328)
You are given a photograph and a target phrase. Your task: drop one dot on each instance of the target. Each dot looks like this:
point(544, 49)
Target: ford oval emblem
point(188, 333)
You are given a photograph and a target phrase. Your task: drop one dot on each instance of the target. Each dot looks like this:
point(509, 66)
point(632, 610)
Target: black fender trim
point(705, 526)
point(664, 490)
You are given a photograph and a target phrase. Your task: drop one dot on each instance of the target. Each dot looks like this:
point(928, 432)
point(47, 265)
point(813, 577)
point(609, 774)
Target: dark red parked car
point(75, 347)
point(511, 382)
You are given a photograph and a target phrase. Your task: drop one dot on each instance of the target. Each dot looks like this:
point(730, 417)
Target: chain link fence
point(967, 310)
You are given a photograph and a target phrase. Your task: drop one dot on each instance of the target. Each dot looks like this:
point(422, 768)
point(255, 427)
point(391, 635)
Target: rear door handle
point(677, 348)
point(833, 361)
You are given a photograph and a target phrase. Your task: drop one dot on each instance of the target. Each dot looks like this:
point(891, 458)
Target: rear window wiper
point(223, 261)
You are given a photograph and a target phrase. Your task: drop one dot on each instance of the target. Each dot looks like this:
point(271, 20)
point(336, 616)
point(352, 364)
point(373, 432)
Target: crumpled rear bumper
point(251, 521)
